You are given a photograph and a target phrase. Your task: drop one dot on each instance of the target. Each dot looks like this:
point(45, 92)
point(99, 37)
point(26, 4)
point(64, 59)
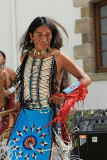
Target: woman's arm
point(65, 62)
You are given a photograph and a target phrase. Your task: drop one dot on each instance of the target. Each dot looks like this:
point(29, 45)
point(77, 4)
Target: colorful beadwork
point(30, 142)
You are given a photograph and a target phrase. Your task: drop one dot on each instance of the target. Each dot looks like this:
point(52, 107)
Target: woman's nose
point(43, 38)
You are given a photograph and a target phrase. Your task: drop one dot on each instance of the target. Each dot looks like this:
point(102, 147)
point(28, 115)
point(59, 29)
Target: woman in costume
point(42, 76)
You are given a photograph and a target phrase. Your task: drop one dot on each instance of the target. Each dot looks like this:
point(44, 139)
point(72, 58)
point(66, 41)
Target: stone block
point(87, 38)
point(86, 12)
point(83, 51)
point(81, 3)
point(89, 65)
point(84, 25)
point(98, 76)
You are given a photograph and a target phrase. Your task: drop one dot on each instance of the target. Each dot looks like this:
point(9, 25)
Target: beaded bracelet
point(71, 87)
point(12, 89)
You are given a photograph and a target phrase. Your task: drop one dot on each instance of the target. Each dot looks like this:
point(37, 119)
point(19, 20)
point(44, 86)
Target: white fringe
point(60, 150)
point(3, 149)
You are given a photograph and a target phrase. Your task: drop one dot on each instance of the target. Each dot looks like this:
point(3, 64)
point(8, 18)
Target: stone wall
point(86, 50)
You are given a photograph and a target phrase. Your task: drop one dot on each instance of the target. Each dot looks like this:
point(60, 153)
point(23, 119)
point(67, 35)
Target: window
point(100, 18)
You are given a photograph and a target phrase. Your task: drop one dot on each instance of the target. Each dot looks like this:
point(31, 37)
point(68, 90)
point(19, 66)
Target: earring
point(31, 40)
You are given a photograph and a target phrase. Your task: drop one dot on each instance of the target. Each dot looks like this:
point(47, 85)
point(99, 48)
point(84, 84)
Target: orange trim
point(82, 136)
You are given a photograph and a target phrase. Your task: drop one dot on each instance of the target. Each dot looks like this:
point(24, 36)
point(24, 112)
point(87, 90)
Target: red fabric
point(4, 121)
point(78, 95)
point(10, 102)
point(64, 134)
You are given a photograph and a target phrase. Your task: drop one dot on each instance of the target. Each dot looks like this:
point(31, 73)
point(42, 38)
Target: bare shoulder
point(57, 53)
point(64, 55)
point(10, 73)
point(60, 56)
point(9, 70)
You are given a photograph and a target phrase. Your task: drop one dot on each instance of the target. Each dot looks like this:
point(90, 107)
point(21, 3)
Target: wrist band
point(12, 89)
point(71, 87)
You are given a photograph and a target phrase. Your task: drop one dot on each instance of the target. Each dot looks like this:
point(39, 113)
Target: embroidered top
point(36, 81)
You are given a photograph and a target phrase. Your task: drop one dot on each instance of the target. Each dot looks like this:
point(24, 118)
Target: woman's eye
point(47, 35)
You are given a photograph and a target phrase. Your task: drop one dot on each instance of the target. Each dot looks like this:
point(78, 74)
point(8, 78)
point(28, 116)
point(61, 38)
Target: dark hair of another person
point(3, 54)
point(56, 41)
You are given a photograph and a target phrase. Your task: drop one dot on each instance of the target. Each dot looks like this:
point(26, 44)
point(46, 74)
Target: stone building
point(93, 51)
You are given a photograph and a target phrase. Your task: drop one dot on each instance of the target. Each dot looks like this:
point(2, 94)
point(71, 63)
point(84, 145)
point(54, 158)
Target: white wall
point(5, 30)
point(11, 30)
point(97, 96)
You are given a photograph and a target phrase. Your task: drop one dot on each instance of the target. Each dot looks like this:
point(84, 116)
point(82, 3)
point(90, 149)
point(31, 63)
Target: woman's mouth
point(43, 44)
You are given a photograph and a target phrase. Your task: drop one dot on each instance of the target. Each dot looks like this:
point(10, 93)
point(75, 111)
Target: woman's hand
point(57, 100)
point(6, 93)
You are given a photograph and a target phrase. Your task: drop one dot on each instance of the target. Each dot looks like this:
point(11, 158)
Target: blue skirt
point(29, 139)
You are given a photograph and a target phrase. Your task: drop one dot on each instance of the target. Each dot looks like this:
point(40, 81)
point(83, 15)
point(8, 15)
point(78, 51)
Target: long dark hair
point(56, 41)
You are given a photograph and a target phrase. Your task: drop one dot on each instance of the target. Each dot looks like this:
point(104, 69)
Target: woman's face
point(2, 59)
point(42, 38)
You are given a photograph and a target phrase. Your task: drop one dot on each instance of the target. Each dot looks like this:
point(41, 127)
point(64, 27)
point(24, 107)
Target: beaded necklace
point(44, 53)
point(40, 52)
